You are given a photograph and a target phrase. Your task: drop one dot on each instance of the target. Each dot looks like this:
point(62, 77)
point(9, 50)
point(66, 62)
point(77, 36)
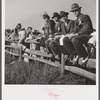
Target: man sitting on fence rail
point(22, 36)
point(66, 28)
point(31, 37)
point(48, 32)
point(55, 52)
point(82, 30)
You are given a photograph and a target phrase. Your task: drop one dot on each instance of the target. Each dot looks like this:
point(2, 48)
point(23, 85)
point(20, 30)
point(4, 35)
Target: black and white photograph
point(50, 44)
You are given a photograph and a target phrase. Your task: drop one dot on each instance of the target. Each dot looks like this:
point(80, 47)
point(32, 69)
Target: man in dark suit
point(82, 30)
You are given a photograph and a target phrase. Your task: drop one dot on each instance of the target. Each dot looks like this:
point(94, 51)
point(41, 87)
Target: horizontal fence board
point(12, 47)
point(32, 41)
point(12, 40)
point(72, 69)
point(90, 64)
point(11, 53)
point(35, 52)
point(81, 72)
point(29, 51)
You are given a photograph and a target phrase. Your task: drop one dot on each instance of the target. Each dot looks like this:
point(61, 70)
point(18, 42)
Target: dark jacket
point(83, 25)
point(58, 29)
point(49, 28)
point(69, 28)
point(58, 26)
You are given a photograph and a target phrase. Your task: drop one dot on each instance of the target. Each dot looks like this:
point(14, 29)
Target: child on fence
point(22, 36)
point(31, 36)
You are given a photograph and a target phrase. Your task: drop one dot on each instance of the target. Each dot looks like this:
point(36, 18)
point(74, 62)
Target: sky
point(28, 12)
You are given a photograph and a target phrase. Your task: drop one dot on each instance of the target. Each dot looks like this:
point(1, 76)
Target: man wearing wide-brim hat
point(63, 14)
point(55, 14)
point(48, 32)
point(58, 23)
point(75, 7)
point(67, 29)
point(58, 32)
point(83, 29)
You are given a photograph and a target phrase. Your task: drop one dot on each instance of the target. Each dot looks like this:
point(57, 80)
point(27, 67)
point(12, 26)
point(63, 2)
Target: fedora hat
point(55, 14)
point(74, 7)
point(63, 14)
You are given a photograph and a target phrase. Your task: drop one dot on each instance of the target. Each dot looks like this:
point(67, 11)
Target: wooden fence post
point(62, 64)
point(20, 57)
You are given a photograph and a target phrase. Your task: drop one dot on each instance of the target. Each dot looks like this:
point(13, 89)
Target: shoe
point(52, 58)
point(84, 61)
point(50, 55)
point(75, 60)
point(57, 57)
point(66, 58)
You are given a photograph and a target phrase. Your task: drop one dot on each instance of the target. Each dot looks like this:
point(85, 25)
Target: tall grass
point(37, 73)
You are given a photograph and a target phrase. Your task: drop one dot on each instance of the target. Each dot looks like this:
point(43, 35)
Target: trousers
point(56, 48)
point(79, 42)
point(69, 46)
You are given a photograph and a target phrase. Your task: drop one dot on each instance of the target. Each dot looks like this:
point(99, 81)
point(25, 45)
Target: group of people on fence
point(63, 35)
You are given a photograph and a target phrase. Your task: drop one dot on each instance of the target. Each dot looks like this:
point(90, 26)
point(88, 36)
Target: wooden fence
point(62, 66)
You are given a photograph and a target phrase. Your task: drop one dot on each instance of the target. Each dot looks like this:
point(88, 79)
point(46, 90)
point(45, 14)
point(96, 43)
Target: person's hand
point(67, 35)
point(27, 39)
point(23, 47)
point(56, 34)
point(76, 34)
point(50, 38)
point(70, 36)
point(55, 37)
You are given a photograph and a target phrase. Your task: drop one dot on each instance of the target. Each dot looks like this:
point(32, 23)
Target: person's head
point(12, 30)
point(46, 17)
point(76, 9)
point(22, 34)
point(64, 16)
point(19, 26)
point(56, 17)
point(29, 28)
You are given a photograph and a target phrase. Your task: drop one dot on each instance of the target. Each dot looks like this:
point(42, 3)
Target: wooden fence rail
point(12, 53)
point(62, 66)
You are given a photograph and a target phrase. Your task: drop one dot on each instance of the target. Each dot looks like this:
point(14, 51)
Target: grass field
point(39, 73)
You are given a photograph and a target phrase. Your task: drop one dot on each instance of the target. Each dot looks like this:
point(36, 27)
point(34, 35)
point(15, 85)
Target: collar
point(57, 21)
point(80, 16)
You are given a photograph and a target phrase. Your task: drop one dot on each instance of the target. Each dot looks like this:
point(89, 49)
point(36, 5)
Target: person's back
point(49, 28)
